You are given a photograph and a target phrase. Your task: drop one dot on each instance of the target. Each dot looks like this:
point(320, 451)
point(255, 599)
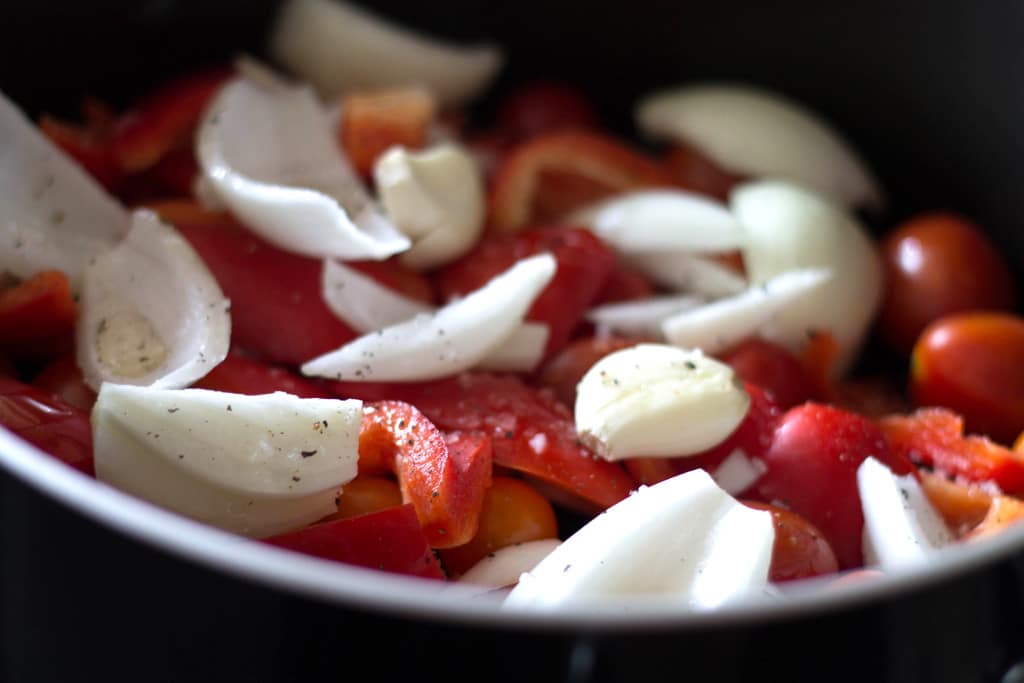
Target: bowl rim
point(451, 602)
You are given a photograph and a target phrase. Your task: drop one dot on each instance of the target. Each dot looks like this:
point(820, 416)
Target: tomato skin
point(934, 437)
point(584, 264)
point(540, 107)
point(366, 494)
point(800, 549)
point(513, 512)
point(63, 379)
point(812, 470)
point(772, 368)
point(238, 374)
point(937, 264)
point(973, 364)
point(563, 372)
point(389, 540)
point(48, 423)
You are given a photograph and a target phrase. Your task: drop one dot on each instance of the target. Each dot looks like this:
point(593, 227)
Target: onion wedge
point(339, 47)
point(641, 318)
point(454, 338)
point(53, 215)
point(683, 272)
point(151, 313)
point(757, 133)
point(293, 187)
point(504, 566)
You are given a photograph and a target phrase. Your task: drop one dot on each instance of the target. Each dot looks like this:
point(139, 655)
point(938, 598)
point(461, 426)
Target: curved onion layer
point(683, 540)
point(757, 133)
point(151, 313)
point(684, 272)
point(338, 47)
point(255, 465)
point(757, 311)
point(521, 351)
point(738, 472)
point(789, 228)
point(292, 186)
point(504, 566)
point(53, 215)
point(652, 221)
point(455, 338)
point(641, 318)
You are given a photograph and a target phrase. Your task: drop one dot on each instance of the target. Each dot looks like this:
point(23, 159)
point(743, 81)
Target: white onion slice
point(363, 303)
point(641, 318)
point(504, 566)
point(255, 465)
point(721, 324)
point(684, 272)
point(654, 221)
point(455, 338)
point(339, 47)
point(738, 472)
point(270, 157)
point(901, 527)
point(521, 351)
point(757, 133)
point(683, 540)
point(788, 228)
point(151, 313)
point(53, 215)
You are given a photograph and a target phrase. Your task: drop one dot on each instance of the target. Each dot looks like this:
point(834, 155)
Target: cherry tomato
point(376, 121)
point(238, 374)
point(584, 264)
point(364, 495)
point(564, 371)
point(541, 107)
point(973, 364)
point(772, 368)
point(63, 379)
point(812, 470)
point(37, 317)
point(389, 540)
point(697, 173)
point(513, 512)
point(937, 264)
point(800, 549)
point(934, 437)
point(47, 422)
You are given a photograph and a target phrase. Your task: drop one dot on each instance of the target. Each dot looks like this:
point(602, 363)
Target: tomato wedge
point(563, 170)
point(47, 422)
point(238, 374)
point(389, 540)
point(445, 479)
point(37, 317)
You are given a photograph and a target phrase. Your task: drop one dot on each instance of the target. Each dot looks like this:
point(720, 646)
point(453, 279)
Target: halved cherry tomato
point(63, 379)
point(389, 540)
point(374, 121)
point(937, 264)
point(773, 368)
point(513, 512)
point(563, 372)
point(697, 173)
point(800, 549)
point(164, 118)
point(364, 495)
point(973, 364)
point(935, 437)
point(90, 150)
point(812, 470)
point(564, 170)
point(445, 478)
point(584, 264)
point(540, 107)
point(47, 422)
point(239, 374)
point(37, 317)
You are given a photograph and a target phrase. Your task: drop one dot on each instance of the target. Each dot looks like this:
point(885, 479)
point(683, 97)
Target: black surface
point(929, 91)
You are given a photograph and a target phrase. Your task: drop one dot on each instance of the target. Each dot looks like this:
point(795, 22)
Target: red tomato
point(376, 121)
point(800, 549)
point(175, 174)
point(584, 264)
point(812, 470)
point(973, 364)
point(37, 317)
point(937, 264)
point(624, 285)
point(564, 170)
point(364, 495)
point(47, 422)
point(238, 374)
point(697, 173)
point(541, 107)
point(564, 371)
point(389, 540)
point(772, 368)
point(934, 437)
point(444, 478)
point(513, 512)
point(63, 379)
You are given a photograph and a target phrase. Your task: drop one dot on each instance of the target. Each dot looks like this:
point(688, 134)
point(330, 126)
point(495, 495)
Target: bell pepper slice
point(372, 122)
point(92, 151)
point(37, 317)
point(47, 422)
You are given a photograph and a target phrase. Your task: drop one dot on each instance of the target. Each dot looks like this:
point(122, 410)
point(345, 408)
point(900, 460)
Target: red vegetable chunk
point(47, 422)
point(37, 317)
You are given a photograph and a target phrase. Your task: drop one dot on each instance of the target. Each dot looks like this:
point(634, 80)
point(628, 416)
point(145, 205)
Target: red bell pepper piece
point(92, 151)
point(47, 422)
point(37, 317)
point(934, 437)
point(238, 374)
point(444, 479)
point(375, 121)
point(389, 540)
point(584, 265)
point(63, 379)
